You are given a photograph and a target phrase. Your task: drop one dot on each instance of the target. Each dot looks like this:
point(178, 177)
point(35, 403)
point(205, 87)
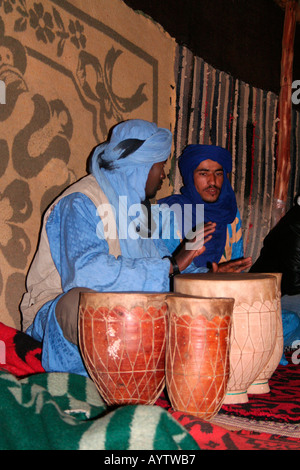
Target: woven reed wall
point(214, 108)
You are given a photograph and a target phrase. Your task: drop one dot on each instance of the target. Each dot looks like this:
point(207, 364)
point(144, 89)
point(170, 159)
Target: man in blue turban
point(204, 170)
point(90, 241)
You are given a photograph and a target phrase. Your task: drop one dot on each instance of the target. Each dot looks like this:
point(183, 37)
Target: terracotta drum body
point(122, 338)
point(254, 328)
point(197, 358)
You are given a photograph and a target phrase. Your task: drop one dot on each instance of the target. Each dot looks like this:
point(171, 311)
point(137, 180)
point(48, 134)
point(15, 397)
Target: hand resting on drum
point(185, 254)
point(234, 266)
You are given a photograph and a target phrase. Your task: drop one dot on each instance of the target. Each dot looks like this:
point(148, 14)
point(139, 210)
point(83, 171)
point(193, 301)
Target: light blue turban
point(122, 164)
point(149, 143)
point(143, 144)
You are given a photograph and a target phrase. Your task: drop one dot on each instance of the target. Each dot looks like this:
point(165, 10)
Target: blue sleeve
point(81, 253)
point(167, 227)
point(238, 250)
point(238, 245)
point(170, 234)
point(192, 269)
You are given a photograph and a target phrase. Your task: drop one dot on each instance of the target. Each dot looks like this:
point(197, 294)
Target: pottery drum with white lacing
point(197, 357)
point(254, 328)
point(122, 339)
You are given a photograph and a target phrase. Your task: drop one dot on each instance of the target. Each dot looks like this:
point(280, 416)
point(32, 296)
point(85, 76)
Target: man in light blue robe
point(81, 248)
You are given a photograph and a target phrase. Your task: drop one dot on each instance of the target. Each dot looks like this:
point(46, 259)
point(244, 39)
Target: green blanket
point(65, 411)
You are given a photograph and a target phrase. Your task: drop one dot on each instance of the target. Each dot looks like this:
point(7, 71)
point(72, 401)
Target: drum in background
point(261, 384)
point(254, 326)
point(197, 357)
point(122, 338)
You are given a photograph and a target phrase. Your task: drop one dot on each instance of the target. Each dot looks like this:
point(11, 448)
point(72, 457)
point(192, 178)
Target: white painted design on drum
point(114, 348)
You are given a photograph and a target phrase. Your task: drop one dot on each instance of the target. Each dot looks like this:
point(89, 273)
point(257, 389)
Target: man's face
point(208, 180)
point(155, 179)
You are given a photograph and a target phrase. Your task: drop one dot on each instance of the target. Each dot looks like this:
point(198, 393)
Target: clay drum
point(261, 384)
point(122, 338)
point(197, 358)
point(254, 327)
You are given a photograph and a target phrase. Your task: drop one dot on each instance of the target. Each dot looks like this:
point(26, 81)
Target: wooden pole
point(285, 113)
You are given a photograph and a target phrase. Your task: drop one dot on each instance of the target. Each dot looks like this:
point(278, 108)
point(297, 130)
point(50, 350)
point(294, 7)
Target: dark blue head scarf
point(223, 211)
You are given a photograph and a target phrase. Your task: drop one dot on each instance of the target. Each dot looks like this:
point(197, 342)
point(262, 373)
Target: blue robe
point(189, 202)
point(77, 240)
point(81, 256)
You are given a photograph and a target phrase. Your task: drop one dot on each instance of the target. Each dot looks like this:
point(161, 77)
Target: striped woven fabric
point(215, 108)
point(65, 412)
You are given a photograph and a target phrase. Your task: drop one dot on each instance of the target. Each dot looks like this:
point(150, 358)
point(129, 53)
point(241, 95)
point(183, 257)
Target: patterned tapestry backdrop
point(71, 71)
point(214, 108)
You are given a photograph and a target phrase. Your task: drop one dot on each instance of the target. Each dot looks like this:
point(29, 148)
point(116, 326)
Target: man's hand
point(185, 256)
point(234, 266)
